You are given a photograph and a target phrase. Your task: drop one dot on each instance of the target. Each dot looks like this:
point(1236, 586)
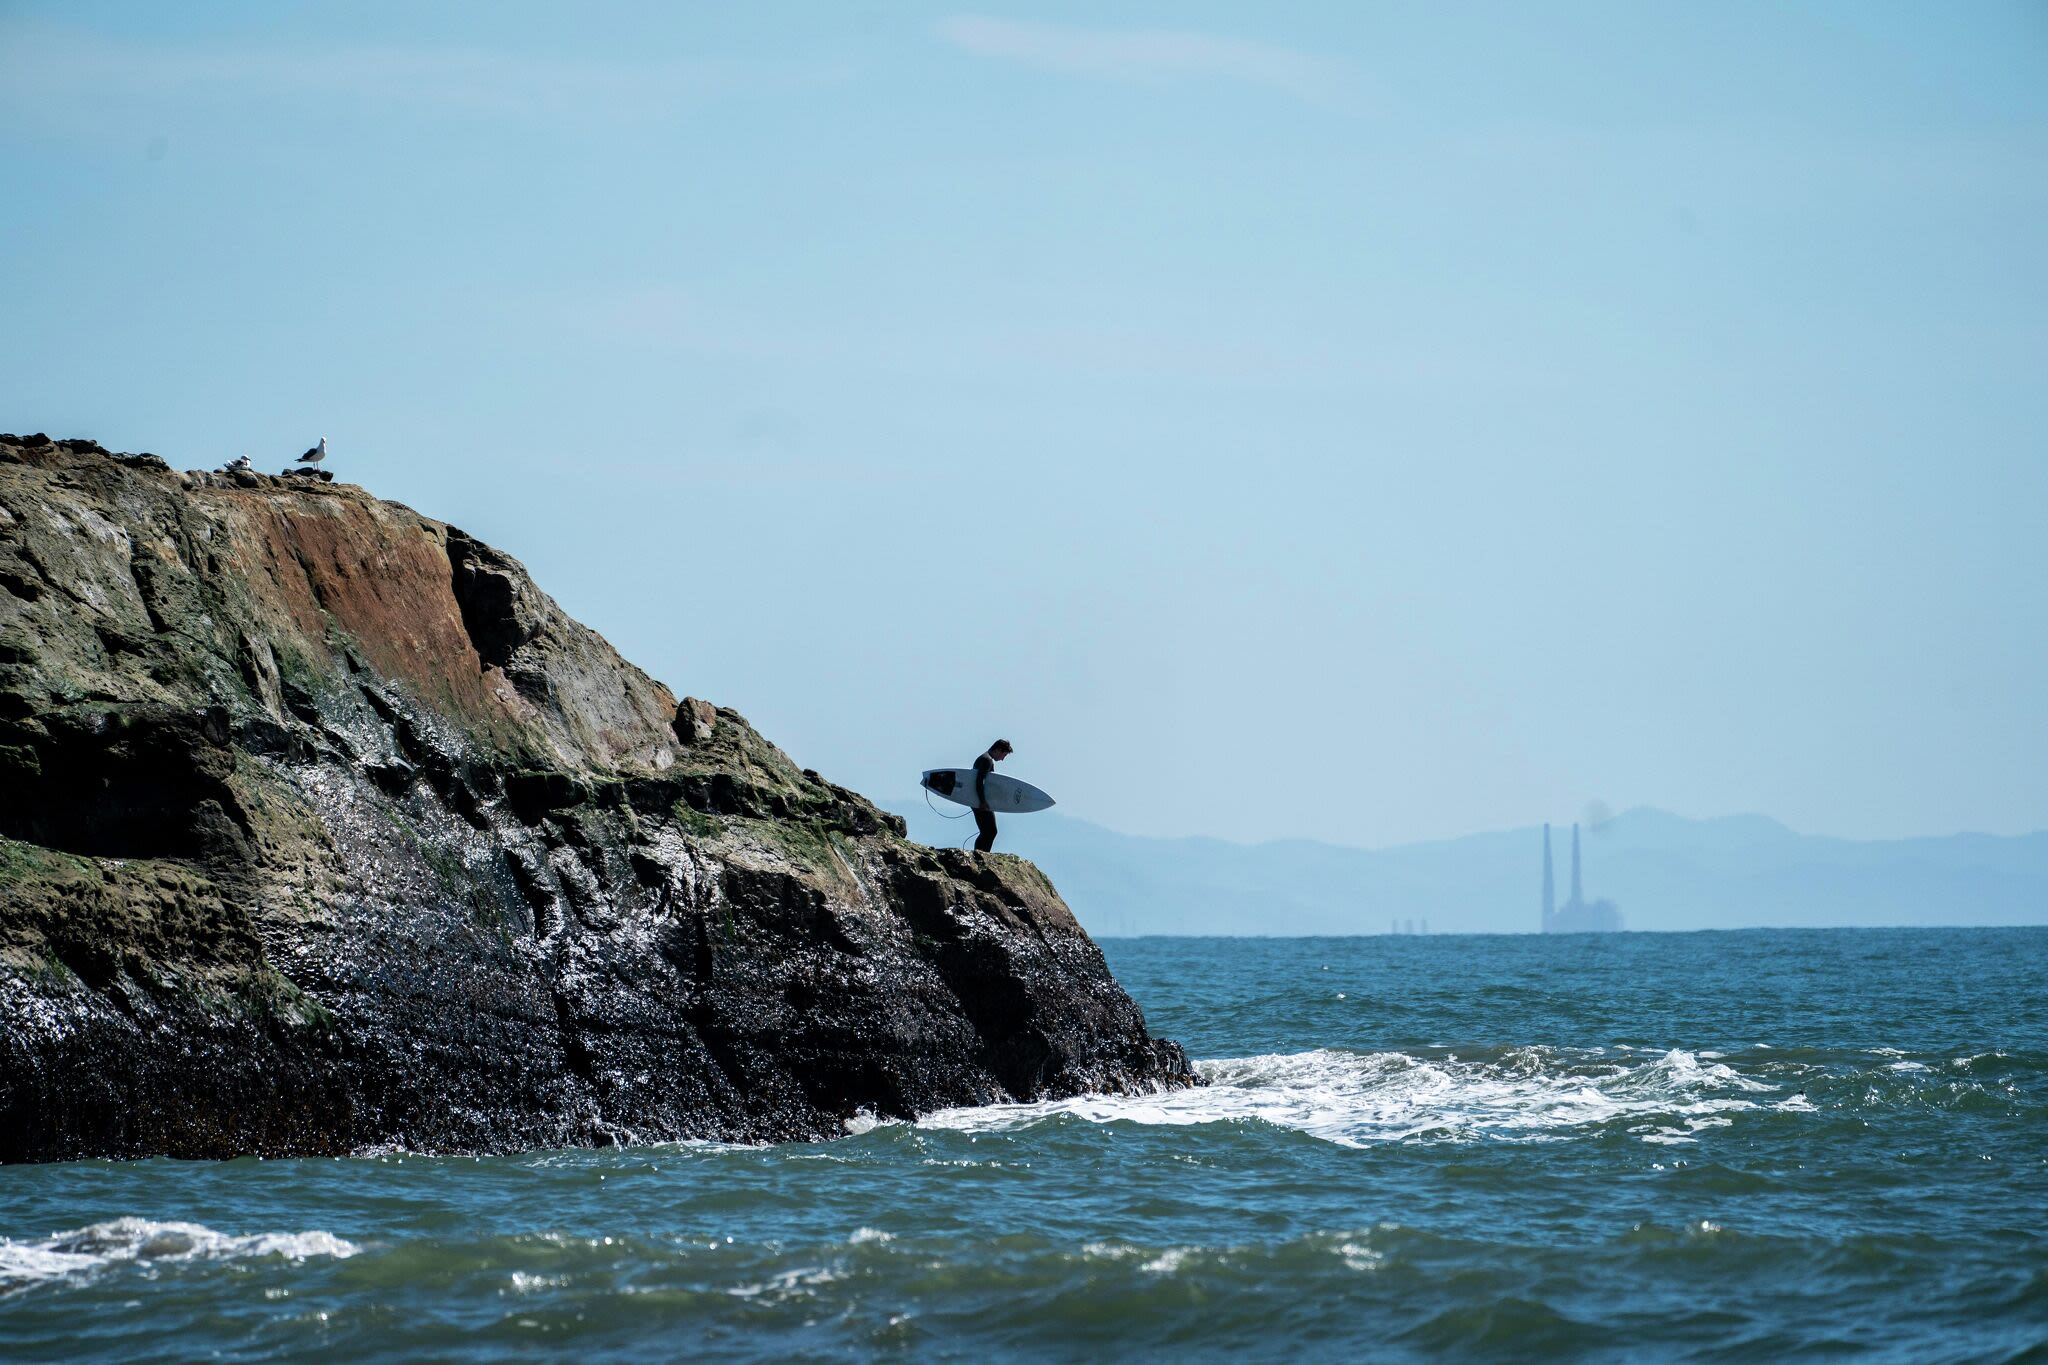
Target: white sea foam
point(101, 1245)
point(800, 1283)
point(1355, 1099)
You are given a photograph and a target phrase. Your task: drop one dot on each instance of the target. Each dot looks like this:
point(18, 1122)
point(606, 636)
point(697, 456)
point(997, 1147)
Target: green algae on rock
point(322, 827)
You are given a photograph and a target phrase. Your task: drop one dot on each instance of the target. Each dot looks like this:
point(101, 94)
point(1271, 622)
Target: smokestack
point(1549, 881)
point(1577, 895)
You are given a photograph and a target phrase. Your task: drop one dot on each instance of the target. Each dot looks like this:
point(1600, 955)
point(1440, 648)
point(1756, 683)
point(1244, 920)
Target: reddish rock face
point(338, 563)
point(322, 826)
point(450, 618)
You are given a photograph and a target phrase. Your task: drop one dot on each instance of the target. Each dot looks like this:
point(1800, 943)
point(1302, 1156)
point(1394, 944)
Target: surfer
point(984, 818)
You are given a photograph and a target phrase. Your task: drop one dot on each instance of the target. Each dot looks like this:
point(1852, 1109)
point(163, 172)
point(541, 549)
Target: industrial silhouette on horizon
point(1577, 915)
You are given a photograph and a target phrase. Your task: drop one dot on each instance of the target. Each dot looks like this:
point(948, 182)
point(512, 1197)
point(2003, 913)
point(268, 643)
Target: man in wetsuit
point(984, 818)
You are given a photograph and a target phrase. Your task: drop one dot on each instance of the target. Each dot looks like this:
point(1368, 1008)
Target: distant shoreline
point(1666, 872)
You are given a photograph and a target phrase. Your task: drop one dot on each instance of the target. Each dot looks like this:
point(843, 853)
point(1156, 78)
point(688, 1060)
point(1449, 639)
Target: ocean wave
point(101, 1245)
point(1356, 1099)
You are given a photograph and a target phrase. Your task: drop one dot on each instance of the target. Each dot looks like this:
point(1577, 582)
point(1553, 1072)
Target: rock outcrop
point(322, 827)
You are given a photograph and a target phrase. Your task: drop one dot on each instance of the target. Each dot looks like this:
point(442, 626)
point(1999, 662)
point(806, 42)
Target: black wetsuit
point(984, 818)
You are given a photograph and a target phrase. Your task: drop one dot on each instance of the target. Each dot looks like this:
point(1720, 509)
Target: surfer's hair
point(1002, 744)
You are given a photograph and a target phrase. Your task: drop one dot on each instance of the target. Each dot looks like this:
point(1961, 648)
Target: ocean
point(1753, 1145)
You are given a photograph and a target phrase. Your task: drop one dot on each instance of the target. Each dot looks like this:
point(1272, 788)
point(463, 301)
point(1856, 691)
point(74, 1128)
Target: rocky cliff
point(325, 828)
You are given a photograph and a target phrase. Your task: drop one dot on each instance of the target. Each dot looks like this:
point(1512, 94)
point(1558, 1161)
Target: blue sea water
point(1722, 1146)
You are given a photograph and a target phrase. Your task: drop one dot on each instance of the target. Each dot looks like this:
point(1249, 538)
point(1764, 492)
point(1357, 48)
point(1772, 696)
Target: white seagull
point(316, 454)
point(239, 462)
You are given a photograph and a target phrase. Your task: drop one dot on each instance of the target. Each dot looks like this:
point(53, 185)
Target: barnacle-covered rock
point(321, 826)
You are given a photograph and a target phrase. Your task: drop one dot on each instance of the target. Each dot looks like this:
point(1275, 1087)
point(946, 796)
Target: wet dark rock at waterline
point(321, 827)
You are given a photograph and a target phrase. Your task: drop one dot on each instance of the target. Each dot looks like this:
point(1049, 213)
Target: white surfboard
point(1005, 794)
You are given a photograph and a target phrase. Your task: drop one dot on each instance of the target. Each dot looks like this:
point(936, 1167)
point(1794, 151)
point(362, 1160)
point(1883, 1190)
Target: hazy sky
point(1356, 422)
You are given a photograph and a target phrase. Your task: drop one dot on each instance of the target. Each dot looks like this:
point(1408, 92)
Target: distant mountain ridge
point(1666, 872)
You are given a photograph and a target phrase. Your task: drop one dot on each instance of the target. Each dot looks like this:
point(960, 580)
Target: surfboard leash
point(936, 811)
point(942, 815)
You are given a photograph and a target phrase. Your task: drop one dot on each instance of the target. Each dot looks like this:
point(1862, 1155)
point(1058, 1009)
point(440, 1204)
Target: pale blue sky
point(1355, 422)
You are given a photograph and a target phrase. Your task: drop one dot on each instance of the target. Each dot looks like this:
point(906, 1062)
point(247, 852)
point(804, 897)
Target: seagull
point(316, 454)
point(239, 462)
